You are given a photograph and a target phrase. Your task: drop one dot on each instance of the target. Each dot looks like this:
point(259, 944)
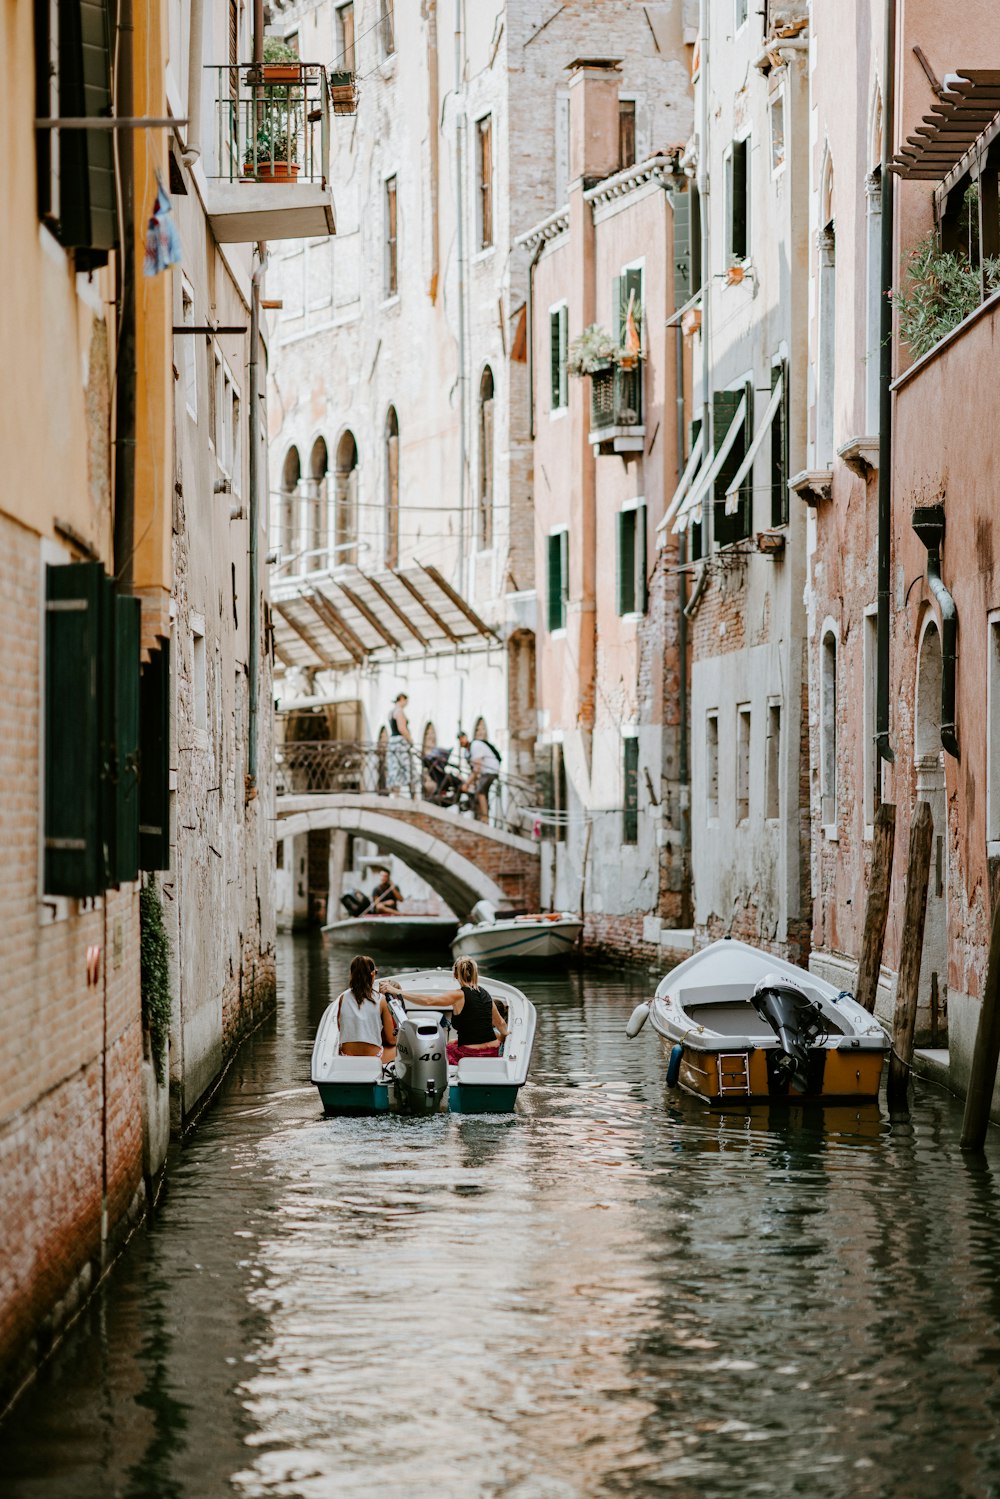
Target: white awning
point(690, 469)
point(710, 473)
point(732, 493)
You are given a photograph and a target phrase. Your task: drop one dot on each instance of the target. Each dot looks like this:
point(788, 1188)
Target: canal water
point(611, 1292)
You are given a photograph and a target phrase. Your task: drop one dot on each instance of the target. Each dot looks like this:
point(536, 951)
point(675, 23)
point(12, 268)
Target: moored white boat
point(421, 1081)
point(514, 939)
point(738, 1023)
point(395, 931)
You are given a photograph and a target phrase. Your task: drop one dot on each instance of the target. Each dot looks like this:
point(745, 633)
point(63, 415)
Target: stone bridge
point(462, 860)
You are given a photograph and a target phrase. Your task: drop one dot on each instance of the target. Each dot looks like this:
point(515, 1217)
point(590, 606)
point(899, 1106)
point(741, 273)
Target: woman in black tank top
point(474, 1015)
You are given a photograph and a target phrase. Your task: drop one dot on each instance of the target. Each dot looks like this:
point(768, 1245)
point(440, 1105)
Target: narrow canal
point(610, 1293)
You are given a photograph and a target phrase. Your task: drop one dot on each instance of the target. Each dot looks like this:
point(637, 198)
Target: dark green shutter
point(626, 561)
point(555, 619)
point(730, 528)
point(682, 248)
point(779, 449)
point(555, 376)
point(87, 216)
point(125, 862)
point(641, 582)
point(74, 862)
point(154, 762)
point(739, 236)
point(630, 819)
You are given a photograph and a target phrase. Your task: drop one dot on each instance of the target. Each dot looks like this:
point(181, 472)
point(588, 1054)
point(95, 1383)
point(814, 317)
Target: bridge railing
point(353, 767)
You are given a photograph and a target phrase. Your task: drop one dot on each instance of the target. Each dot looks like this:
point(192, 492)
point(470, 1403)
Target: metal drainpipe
point(885, 397)
point(125, 363)
point(253, 438)
point(460, 256)
point(192, 148)
point(928, 522)
point(705, 269)
point(530, 315)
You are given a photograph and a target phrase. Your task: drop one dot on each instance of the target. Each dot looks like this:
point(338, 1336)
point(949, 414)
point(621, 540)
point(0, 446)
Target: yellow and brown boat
point(739, 1024)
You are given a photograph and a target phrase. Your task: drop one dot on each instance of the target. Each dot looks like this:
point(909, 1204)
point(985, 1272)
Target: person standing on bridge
point(484, 759)
point(397, 770)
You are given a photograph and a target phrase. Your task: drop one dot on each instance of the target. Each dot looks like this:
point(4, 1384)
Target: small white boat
point(738, 1024)
point(394, 931)
point(513, 939)
point(421, 1080)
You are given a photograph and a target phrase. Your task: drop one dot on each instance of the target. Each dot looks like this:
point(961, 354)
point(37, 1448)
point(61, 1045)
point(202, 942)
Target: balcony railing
point(272, 123)
point(616, 397)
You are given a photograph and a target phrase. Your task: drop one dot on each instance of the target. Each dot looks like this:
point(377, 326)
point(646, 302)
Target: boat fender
point(674, 1065)
point(844, 994)
point(637, 1020)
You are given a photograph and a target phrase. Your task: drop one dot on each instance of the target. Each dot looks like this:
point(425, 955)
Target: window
point(386, 27)
point(189, 352)
point(630, 776)
point(777, 114)
point(558, 352)
point(779, 448)
point(237, 443)
point(872, 763)
point(743, 762)
point(873, 194)
point(712, 765)
point(392, 488)
point(217, 396)
point(558, 579)
point(772, 780)
point(391, 280)
point(485, 529)
point(826, 372)
point(430, 739)
point(484, 172)
point(479, 728)
point(318, 538)
point(737, 526)
point(626, 133)
point(226, 423)
point(290, 474)
point(346, 518)
point(742, 10)
point(627, 291)
point(828, 731)
point(738, 202)
point(199, 677)
point(345, 40)
point(631, 559)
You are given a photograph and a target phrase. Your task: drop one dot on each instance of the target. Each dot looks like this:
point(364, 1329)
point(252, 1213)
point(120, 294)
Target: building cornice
point(661, 169)
point(550, 228)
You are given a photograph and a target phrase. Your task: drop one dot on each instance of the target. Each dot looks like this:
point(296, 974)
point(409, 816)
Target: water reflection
point(610, 1292)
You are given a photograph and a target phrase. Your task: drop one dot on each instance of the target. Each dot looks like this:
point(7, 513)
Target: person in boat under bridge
point(367, 1028)
point(474, 1015)
point(386, 896)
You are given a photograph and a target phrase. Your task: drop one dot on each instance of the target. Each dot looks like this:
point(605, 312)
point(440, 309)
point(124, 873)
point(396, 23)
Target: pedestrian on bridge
point(397, 770)
point(484, 759)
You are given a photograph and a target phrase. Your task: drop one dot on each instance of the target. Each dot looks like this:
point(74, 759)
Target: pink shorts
point(456, 1052)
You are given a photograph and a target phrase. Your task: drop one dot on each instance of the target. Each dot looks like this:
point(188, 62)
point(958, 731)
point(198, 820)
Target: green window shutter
point(630, 819)
point(555, 607)
point(563, 356)
point(682, 248)
point(154, 760)
point(724, 407)
point(617, 308)
point(739, 234)
point(626, 561)
point(728, 528)
point(125, 861)
point(779, 449)
point(641, 581)
point(87, 215)
point(555, 379)
point(563, 576)
point(74, 862)
point(545, 784)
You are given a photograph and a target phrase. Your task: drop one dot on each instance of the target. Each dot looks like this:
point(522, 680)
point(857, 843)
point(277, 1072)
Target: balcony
point(268, 170)
point(616, 418)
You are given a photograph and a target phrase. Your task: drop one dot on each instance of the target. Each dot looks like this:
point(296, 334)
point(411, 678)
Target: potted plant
point(277, 148)
point(594, 349)
point(281, 62)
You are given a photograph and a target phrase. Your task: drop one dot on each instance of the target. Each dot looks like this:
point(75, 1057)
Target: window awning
point(965, 110)
point(690, 469)
point(746, 467)
point(710, 472)
point(348, 618)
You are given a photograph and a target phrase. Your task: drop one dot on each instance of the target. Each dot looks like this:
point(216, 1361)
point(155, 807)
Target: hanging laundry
point(163, 243)
point(632, 342)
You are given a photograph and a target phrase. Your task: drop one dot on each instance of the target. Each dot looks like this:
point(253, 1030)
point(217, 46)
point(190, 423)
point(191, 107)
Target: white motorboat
point(546, 935)
point(421, 1080)
point(392, 931)
point(738, 1023)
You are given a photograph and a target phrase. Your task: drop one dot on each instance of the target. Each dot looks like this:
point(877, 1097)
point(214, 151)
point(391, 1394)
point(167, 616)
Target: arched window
point(391, 488)
point(291, 473)
point(827, 325)
point(479, 732)
point(873, 270)
point(828, 729)
point(347, 501)
point(318, 534)
point(430, 739)
point(485, 529)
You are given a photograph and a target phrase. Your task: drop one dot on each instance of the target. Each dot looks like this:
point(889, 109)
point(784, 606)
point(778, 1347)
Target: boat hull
point(518, 941)
point(738, 1077)
point(392, 932)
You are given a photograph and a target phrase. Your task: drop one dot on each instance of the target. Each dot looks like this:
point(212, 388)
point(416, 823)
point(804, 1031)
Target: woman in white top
point(365, 1017)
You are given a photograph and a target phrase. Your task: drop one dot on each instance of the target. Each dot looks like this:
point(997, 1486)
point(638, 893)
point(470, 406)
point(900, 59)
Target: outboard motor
point(419, 1079)
point(796, 1020)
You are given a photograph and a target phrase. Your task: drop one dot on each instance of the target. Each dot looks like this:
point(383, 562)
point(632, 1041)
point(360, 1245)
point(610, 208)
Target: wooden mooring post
point(986, 1051)
point(911, 947)
point(876, 906)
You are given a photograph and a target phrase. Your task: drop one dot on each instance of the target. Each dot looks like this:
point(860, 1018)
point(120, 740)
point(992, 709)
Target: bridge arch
point(462, 861)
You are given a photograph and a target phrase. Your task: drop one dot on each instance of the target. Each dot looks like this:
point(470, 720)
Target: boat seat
point(482, 1070)
point(354, 1070)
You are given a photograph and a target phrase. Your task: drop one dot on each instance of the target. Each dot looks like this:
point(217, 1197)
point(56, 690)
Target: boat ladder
point(734, 1072)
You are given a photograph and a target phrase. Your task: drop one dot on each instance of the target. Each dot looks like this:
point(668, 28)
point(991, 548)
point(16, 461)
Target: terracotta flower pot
point(281, 72)
point(273, 171)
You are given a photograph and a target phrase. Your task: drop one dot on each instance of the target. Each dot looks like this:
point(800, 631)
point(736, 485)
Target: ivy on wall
point(154, 968)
